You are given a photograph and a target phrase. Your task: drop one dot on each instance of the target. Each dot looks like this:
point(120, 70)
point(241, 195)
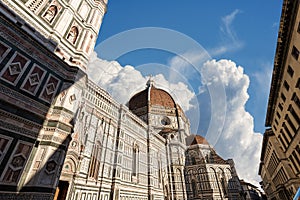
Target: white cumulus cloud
point(123, 82)
point(236, 138)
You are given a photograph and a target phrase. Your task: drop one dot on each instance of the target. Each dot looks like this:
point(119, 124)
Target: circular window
point(165, 121)
point(74, 144)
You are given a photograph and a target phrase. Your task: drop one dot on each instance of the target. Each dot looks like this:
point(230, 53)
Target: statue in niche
point(206, 158)
point(50, 13)
point(73, 34)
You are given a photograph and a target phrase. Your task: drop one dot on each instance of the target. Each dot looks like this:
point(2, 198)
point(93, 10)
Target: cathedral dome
point(162, 98)
point(152, 96)
point(151, 99)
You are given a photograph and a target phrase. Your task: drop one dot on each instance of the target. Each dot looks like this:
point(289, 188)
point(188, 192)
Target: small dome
point(199, 140)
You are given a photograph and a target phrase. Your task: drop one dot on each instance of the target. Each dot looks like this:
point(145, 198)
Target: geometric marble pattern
point(34, 79)
point(4, 50)
point(15, 68)
point(50, 88)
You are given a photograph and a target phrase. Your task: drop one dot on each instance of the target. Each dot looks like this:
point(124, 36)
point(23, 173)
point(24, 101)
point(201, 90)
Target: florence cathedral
point(64, 137)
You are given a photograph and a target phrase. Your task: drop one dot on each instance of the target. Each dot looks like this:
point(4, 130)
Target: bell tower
point(72, 26)
point(44, 51)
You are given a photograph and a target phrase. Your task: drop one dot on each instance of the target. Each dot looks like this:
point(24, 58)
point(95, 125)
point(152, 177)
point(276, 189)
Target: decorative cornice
point(268, 133)
point(287, 23)
point(18, 130)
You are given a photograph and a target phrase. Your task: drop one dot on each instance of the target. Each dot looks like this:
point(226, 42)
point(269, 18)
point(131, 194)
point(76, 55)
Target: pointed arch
point(51, 13)
point(194, 188)
point(70, 164)
point(95, 161)
point(193, 157)
point(135, 159)
point(73, 34)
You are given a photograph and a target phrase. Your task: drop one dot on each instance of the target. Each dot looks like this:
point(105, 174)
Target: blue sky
point(216, 58)
point(255, 28)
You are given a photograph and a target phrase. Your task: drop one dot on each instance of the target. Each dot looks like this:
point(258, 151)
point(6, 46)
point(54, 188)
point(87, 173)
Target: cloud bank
point(123, 82)
point(237, 139)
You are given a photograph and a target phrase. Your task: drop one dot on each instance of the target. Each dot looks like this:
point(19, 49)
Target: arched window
point(223, 181)
point(135, 157)
point(202, 179)
point(178, 179)
point(159, 172)
point(193, 156)
point(228, 175)
point(73, 34)
point(51, 13)
point(194, 188)
point(166, 192)
point(231, 181)
point(95, 161)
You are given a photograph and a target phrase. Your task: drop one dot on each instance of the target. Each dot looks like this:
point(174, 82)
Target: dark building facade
point(41, 63)
point(280, 156)
point(251, 192)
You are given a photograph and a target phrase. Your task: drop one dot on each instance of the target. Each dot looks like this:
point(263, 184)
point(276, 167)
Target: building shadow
point(38, 95)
